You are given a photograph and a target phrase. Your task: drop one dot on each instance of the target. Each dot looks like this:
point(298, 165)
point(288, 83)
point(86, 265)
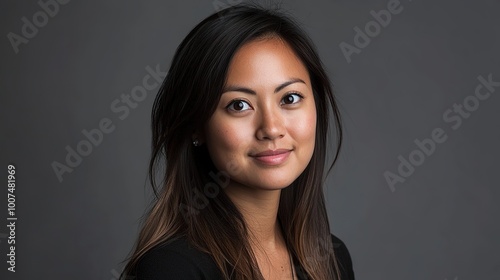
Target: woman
point(241, 120)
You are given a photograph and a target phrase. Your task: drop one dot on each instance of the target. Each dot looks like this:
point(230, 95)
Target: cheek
point(303, 127)
point(225, 140)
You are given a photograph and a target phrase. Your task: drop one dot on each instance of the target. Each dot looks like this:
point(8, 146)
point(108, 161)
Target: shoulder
point(343, 258)
point(176, 259)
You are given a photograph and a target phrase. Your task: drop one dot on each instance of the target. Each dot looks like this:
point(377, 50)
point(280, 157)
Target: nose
point(271, 124)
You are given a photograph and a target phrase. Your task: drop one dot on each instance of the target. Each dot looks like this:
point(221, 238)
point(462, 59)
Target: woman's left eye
point(292, 98)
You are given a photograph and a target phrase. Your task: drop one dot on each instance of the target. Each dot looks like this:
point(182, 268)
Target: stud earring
point(196, 143)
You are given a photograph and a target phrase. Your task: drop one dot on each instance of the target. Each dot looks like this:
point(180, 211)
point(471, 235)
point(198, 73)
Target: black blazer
point(180, 261)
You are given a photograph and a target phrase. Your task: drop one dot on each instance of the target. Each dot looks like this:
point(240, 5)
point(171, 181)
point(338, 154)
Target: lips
point(271, 157)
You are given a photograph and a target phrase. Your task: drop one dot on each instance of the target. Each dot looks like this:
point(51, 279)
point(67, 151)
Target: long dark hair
point(188, 203)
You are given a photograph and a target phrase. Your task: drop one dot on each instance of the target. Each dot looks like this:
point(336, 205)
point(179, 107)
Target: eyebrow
point(251, 91)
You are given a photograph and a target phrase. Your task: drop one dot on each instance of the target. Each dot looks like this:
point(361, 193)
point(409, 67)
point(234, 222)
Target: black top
point(181, 261)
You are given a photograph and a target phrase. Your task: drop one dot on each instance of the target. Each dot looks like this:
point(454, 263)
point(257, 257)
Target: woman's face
point(263, 130)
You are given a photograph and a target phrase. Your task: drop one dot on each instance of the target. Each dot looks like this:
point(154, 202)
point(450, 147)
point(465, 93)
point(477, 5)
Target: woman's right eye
point(238, 106)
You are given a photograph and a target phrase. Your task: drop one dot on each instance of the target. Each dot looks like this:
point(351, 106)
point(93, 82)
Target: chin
point(275, 185)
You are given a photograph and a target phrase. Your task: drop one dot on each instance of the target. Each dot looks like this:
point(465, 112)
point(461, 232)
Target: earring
point(196, 143)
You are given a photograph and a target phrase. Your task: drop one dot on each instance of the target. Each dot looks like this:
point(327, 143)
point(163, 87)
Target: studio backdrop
point(414, 195)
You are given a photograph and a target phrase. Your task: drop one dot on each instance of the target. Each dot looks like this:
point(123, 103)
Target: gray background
point(441, 223)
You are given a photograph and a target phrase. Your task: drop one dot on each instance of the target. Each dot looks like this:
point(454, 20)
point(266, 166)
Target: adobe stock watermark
point(373, 28)
point(121, 107)
point(211, 190)
point(29, 29)
point(454, 117)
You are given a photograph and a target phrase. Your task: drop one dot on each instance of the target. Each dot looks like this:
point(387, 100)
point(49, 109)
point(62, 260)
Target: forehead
point(266, 60)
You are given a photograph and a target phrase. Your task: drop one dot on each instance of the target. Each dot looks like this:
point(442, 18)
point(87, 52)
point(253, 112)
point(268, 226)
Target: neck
point(260, 211)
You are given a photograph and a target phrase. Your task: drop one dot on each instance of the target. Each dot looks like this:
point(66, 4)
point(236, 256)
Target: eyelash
point(241, 100)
